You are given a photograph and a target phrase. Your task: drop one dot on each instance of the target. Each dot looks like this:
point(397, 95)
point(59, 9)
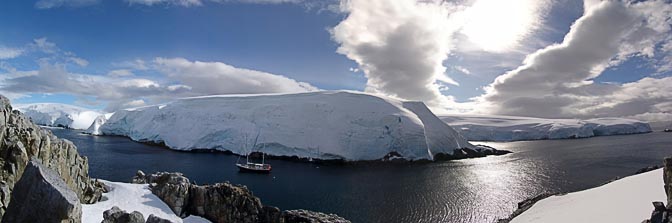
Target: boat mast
point(262, 155)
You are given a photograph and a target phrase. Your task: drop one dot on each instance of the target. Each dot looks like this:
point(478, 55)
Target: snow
point(513, 128)
point(324, 125)
point(54, 114)
point(94, 128)
point(132, 197)
point(625, 200)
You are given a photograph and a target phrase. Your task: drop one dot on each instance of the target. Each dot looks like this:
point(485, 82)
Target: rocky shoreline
point(221, 202)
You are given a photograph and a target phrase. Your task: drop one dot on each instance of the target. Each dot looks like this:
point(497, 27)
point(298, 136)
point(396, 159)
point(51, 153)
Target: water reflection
point(472, 190)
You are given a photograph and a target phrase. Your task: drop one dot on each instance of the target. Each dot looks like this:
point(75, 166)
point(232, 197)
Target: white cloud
point(557, 81)
point(185, 3)
point(120, 73)
point(496, 25)
point(219, 78)
point(462, 69)
point(190, 3)
point(47, 4)
point(10, 53)
point(137, 64)
point(134, 103)
point(186, 78)
point(400, 45)
point(79, 61)
point(42, 44)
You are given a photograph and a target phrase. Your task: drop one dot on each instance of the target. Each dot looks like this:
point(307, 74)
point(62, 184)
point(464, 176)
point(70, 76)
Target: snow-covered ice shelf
point(324, 125)
point(514, 128)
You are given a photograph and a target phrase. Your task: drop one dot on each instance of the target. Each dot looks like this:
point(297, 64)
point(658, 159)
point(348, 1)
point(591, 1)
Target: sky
point(538, 58)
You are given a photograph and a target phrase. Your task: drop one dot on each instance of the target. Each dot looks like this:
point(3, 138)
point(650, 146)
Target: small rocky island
point(44, 179)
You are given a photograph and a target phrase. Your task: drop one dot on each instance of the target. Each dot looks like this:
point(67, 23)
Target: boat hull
point(243, 168)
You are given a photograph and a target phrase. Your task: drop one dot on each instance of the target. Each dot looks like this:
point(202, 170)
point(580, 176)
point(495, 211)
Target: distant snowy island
point(328, 125)
point(59, 115)
point(514, 128)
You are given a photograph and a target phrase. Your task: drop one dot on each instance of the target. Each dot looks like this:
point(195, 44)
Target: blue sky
point(143, 52)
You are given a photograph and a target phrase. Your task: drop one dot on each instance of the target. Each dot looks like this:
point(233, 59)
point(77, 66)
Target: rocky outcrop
point(116, 215)
point(224, 202)
point(41, 195)
point(221, 202)
point(304, 216)
point(21, 140)
point(173, 189)
point(661, 213)
point(154, 219)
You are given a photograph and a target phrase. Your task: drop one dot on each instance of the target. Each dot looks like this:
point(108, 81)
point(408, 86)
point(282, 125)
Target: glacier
point(515, 128)
point(326, 125)
point(59, 115)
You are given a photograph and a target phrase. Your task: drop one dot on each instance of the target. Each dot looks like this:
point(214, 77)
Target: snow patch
point(60, 115)
point(94, 128)
point(132, 197)
point(324, 125)
point(514, 128)
point(625, 200)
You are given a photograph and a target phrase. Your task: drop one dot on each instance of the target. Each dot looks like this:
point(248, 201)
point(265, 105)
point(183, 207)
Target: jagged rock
point(224, 202)
point(41, 195)
point(173, 189)
point(139, 178)
point(304, 216)
point(667, 179)
point(20, 140)
point(662, 214)
point(153, 219)
point(116, 215)
point(270, 214)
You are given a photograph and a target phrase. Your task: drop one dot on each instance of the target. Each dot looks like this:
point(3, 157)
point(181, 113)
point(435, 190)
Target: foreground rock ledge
point(42, 196)
point(222, 202)
point(21, 140)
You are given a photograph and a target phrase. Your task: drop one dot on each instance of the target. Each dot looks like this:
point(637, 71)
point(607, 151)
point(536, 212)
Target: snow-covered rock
point(625, 200)
point(59, 115)
point(132, 197)
point(94, 128)
point(324, 125)
point(513, 128)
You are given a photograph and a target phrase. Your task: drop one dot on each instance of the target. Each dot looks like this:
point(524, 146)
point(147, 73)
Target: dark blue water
point(472, 190)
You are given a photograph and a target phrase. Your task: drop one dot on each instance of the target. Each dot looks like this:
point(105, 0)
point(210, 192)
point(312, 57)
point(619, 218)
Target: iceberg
point(59, 115)
point(327, 125)
point(514, 128)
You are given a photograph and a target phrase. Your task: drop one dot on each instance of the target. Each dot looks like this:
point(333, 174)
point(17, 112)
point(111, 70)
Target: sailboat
point(252, 166)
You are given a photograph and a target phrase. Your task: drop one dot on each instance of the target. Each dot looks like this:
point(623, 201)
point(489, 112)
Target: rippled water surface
point(472, 190)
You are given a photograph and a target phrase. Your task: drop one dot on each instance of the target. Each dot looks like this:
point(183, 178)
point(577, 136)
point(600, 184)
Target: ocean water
point(470, 190)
